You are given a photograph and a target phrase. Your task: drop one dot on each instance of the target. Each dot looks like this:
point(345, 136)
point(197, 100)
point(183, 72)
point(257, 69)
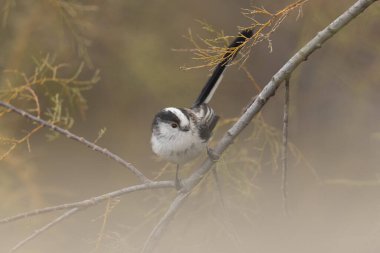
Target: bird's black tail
point(213, 82)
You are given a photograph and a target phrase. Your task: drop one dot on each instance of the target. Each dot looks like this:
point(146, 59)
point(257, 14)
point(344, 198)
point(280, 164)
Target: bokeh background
point(333, 179)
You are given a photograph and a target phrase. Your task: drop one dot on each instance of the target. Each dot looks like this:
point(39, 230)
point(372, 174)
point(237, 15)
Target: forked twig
point(78, 206)
point(92, 201)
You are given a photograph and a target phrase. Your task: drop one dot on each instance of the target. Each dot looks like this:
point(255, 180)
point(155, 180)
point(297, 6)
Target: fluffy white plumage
point(179, 144)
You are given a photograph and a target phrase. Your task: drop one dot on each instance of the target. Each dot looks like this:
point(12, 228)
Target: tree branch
point(253, 108)
point(81, 140)
point(92, 201)
point(78, 206)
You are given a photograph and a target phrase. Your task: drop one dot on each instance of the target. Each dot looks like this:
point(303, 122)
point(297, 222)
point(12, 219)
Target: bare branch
point(81, 140)
point(92, 201)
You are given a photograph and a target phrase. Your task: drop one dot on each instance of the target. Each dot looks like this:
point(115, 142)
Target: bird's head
point(170, 121)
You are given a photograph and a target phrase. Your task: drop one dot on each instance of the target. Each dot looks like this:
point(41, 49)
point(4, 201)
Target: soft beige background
point(335, 122)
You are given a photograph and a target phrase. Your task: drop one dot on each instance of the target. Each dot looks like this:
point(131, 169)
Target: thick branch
point(257, 105)
point(81, 140)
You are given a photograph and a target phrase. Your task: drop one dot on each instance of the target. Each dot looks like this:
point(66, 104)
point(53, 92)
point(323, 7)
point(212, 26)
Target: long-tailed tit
point(180, 134)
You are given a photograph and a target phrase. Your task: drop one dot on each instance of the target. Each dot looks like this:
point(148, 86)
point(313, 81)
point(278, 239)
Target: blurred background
point(123, 54)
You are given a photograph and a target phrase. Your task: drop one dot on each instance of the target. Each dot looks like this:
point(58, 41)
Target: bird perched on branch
point(179, 135)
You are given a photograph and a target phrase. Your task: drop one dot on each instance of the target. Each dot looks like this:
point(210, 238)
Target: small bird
point(179, 135)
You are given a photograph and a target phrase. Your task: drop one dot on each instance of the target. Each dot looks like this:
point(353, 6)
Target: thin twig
point(284, 157)
point(92, 201)
point(251, 78)
point(107, 212)
point(44, 228)
point(81, 140)
point(254, 108)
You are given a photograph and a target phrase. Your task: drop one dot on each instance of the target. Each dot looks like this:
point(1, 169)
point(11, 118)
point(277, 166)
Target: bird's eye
point(174, 125)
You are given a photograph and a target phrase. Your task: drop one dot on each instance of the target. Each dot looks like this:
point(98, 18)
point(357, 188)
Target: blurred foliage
point(52, 90)
point(69, 16)
point(33, 78)
point(43, 93)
